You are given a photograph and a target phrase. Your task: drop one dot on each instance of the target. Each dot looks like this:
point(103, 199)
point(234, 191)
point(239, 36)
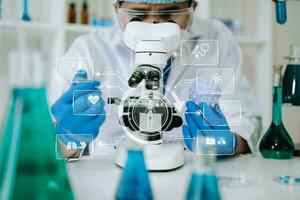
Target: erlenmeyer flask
point(134, 183)
point(29, 168)
point(203, 183)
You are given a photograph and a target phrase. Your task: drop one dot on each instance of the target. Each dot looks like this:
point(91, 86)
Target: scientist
point(112, 66)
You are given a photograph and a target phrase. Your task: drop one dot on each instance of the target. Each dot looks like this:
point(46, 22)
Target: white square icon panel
point(199, 52)
point(215, 81)
point(88, 102)
point(67, 67)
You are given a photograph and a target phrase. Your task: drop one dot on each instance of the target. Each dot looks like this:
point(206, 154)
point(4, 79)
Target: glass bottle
point(84, 13)
point(28, 165)
point(72, 13)
point(203, 183)
point(134, 183)
point(276, 143)
point(291, 78)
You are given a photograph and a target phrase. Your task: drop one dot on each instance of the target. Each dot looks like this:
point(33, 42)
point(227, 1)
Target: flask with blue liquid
point(203, 183)
point(134, 183)
point(291, 78)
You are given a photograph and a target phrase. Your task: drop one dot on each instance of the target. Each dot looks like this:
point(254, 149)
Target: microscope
point(147, 116)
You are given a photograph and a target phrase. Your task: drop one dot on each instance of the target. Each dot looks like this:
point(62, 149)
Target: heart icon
point(93, 99)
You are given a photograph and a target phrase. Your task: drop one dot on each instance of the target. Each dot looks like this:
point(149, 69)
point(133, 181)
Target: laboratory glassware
point(234, 179)
point(134, 183)
point(0, 9)
point(84, 13)
point(281, 10)
point(287, 180)
point(203, 181)
point(26, 16)
point(72, 13)
point(276, 143)
point(291, 78)
point(29, 168)
point(280, 7)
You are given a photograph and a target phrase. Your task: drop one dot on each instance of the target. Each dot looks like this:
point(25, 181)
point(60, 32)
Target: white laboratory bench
point(99, 177)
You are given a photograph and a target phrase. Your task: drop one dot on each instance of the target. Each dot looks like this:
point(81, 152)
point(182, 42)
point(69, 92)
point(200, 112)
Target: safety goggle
point(182, 17)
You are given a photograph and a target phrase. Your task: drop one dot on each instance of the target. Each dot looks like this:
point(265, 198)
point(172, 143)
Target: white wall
point(288, 33)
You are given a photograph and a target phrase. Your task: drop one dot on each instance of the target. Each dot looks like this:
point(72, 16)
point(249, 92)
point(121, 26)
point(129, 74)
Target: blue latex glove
point(212, 125)
point(83, 126)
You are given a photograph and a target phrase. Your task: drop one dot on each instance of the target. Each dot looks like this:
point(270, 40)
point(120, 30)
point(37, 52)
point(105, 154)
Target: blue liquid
point(134, 183)
point(0, 8)
point(281, 11)
point(203, 187)
point(25, 16)
point(291, 85)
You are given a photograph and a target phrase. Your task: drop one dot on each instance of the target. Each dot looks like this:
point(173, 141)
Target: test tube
point(281, 16)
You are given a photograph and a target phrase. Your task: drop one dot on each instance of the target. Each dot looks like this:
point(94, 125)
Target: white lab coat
point(112, 62)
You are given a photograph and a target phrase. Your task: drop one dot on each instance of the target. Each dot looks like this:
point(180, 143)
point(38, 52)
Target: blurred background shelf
point(42, 27)
point(79, 28)
point(38, 26)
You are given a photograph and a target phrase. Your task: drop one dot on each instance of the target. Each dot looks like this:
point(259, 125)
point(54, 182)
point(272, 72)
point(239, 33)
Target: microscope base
point(158, 157)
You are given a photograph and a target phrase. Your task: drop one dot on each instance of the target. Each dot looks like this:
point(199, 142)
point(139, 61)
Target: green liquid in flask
point(276, 143)
point(28, 165)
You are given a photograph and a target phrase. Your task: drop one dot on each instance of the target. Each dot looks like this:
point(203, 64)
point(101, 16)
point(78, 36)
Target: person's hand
point(82, 122)
point(203, 120)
